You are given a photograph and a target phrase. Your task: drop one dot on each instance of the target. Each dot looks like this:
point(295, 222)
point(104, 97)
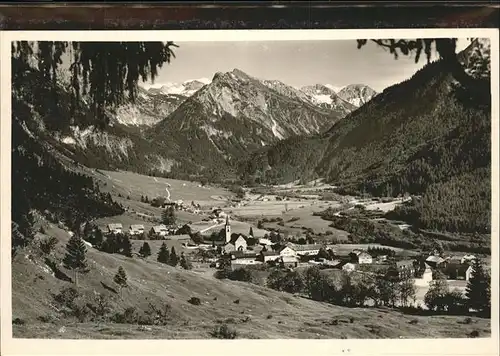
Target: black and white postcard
point(259, 192)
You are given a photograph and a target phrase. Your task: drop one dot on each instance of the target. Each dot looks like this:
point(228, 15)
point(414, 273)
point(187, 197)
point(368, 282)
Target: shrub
point(223, 273)
point(18, 321)
point(49, 318)
point(224, 332)
point(194, 301)
point(48, 245)
point(456, 302)
point(81, 312)
point(241, 274)
point(291, 282)
point(102, 306)
point(156, 316)
point(67, 297)
point(128, 316)
point(474, 334)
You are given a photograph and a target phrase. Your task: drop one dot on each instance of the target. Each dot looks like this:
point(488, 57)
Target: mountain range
point(193, 126)
point(155, 103)
point(416, 136)
point(235, 114)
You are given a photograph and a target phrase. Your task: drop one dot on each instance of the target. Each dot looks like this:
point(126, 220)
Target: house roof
point(115, 226)
point(363, 254)
point(435, 259)
point(136, 227)
point(334, 263)
point(265, 242)
point(235, 238)
point(159, 228)
point(303, 248)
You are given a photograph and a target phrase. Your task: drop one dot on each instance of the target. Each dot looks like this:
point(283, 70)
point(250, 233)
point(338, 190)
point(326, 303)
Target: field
point(127, 188)
point(259, 313)
point(135, 185)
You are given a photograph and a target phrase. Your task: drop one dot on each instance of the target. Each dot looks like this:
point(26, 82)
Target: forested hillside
point(42, 183)
point(429, 136)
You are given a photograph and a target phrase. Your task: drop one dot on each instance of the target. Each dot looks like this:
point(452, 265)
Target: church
point(235, 243)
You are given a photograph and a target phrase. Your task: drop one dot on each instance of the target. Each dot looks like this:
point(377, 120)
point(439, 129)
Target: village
point(212, 244)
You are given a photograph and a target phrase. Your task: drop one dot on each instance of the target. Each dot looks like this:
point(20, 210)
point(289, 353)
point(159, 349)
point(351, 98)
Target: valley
point(291, 316)
point(245, 207)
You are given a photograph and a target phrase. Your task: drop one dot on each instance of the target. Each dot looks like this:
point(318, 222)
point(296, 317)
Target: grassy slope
point(135, 185)
point(292, 317)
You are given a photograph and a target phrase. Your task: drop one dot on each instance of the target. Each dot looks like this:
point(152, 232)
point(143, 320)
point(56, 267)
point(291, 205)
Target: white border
point(291, 347)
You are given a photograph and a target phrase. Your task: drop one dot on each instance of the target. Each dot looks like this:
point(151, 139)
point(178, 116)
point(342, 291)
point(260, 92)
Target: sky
point(296, 63)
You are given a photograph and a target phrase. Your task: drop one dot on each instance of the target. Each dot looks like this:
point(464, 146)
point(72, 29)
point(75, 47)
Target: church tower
point(228, 230)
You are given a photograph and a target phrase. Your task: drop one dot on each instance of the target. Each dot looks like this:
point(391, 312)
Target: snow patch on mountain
point(187, 88)
point(275, 130)
point(357, 94)
point(212, 131)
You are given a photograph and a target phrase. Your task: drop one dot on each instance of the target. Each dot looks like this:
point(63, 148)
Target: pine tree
point(121, 279)
point(168, 216)
point(478, 290)
point(163, 255)
point(126, 246)
point(142, 198)
point(185, 262)
point(105, 72)
point(174, 259)
point(145, 250)
point(98, 238)
point(75, 258)
point(250, 233)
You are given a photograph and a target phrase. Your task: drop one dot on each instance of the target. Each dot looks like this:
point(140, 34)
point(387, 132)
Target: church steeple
point(228, 230)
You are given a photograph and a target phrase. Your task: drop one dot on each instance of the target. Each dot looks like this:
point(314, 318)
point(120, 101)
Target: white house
point(159, 230)
point(434, 261)
point(244, 258)
point(467, 258)
point(265, 242)
point(267, 256)
point(115, 228)
point(363, 257)
point(136, 229)
point(288, 251)
point(289, 260)
point(306, 250)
